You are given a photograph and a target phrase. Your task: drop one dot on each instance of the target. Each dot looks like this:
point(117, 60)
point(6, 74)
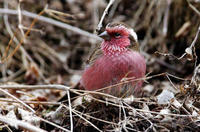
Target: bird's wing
point(134, 45)
point(94, 55)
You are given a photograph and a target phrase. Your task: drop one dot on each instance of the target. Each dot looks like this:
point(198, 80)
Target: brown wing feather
point(134, 46)
point(94, 55)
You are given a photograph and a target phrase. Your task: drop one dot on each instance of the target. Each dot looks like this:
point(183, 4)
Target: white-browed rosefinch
point(116, 59)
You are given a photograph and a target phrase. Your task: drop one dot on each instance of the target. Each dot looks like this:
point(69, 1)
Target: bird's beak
point(104, 35)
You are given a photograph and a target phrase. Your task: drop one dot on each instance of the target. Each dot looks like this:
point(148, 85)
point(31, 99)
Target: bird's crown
point(119, 25)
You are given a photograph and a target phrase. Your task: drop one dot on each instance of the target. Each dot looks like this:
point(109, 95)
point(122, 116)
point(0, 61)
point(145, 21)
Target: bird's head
point(118, 37)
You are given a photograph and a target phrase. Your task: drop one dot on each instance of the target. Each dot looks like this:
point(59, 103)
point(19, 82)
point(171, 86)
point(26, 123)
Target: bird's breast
point(109, 70)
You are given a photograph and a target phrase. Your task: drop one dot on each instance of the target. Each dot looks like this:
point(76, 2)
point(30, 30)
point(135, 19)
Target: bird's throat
point(112, 50)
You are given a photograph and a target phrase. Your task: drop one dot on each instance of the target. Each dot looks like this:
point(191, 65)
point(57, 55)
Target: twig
point(196, 71)
point(95, 16)
point(138, 13)
point(161, 62)
point(53, 124)
point(166, 15)
point(196, 37)
point(12, 34)
point(188, 51)
point(104, 121)
point(113, 9)
point(22, 40)
point(24, 104)
point(51, 21)
point(193, 8)
point(151, 126)
point(65, 88)
point(104, 14)
point(12, 76)
point(145, 111)
point(128, 81)
point(31, 87)
point(124, 122)
point(171, 82)
point(33, 29)
point(30, 102)
point(17, 123)
point(120, 113)
point(20, 20)
point(70, 111)
point(58, 14)
point(84, 119)
point(19, 44)
point(183, 29)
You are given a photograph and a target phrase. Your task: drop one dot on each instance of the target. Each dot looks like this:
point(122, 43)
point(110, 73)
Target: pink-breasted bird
point(117, 58)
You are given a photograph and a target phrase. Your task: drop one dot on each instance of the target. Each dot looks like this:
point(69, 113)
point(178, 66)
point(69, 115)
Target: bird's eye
point(117, 35)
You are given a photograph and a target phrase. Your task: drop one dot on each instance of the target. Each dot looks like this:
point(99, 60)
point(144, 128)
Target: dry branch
point(51, 21)
point(104, 14)
point(20, 124)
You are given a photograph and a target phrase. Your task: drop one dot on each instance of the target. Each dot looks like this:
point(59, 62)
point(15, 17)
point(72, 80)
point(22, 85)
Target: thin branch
point(59, 15)
point(30, 102)
point(51, 21)
point(193, 8)
point(22, 40)
point(85, 92)
point(151, 126)
point(19, 44)
point(196, 37)
point(53, 124)
point(104, 14)
point(17, 123)
point(31, 87)
point(12, 34)
point(171, 82)
point(193, 81)
point(188, 51)
point(24, 104)
point(101, 120)
point(84, 119)
point(20, 20)
point(70, 111)
point(166, 16)
point(145, 111)
point(113, 9)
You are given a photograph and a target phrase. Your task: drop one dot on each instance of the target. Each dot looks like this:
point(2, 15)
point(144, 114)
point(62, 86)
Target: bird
point(115, 62)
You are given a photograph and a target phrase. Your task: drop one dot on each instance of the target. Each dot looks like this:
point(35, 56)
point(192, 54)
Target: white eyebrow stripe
point(133, 33)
